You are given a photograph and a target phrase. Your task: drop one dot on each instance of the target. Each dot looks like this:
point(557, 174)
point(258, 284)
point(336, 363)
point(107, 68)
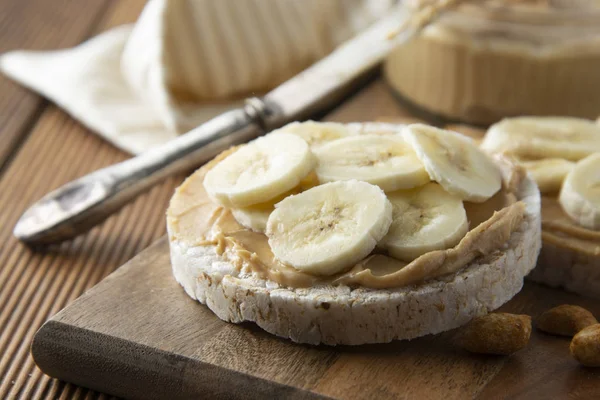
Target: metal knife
point(81, 204)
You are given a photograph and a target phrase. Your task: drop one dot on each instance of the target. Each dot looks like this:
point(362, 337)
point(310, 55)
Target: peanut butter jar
point(496, 58)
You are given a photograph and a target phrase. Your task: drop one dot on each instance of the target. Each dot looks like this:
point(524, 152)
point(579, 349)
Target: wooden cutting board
point(138, 335)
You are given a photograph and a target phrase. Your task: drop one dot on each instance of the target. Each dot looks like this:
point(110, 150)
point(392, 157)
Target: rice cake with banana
point(356, 233)
point(563, 155)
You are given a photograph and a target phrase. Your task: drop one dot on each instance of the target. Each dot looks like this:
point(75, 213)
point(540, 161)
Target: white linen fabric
point(185, 61)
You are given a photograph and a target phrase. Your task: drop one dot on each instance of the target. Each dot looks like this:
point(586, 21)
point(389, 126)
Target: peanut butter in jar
point(490, 59)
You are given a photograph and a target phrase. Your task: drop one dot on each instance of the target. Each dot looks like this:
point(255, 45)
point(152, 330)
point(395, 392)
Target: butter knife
point(81, 204)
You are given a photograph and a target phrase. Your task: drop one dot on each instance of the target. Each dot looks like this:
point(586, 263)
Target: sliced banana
point(376, 128)
point(259, 171)
point(386, 161)
point(548, 173)
point(453, 160)
point(317, 134)
point(580, 194)
point(424, 219)
point(255, 217)
point(329, 228)
point(544, 137)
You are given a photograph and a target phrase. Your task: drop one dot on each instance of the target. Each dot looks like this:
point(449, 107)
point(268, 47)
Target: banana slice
point(316, 134)
point(329, 228)
point(580, 194)
point(454, 161)
point(386, 161)
point(255, 217)
point(544, 137)
point(376, 128)
point(549, 173)
point(424, 219)
point(259, 171)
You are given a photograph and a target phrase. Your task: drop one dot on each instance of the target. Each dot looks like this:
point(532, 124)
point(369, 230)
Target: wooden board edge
point(56, 349)
point(109, 364)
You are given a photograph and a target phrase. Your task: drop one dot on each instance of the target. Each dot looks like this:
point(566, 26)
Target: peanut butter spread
point(561, 231)
point(496, 58)
point(198, 221)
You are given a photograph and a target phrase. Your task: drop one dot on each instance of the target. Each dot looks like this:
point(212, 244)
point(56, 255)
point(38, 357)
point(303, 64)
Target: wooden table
point(41, 148)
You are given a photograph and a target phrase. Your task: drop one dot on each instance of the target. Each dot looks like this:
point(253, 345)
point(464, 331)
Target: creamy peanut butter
point(198, 221)
point(561, 231)
point(497, 58)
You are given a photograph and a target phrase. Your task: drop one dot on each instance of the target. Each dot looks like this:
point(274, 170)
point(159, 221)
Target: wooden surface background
point(42, 148)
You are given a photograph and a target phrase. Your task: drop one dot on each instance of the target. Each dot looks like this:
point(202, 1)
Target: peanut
point(585, 346)
point(498, 333)
point(565, 320)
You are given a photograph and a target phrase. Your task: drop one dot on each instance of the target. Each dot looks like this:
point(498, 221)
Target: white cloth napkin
point(185, 61)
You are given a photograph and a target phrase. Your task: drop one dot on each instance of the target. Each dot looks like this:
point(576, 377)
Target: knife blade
point(79, 205)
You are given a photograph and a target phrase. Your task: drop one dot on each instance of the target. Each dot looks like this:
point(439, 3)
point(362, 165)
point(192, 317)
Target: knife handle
point(82, 204)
